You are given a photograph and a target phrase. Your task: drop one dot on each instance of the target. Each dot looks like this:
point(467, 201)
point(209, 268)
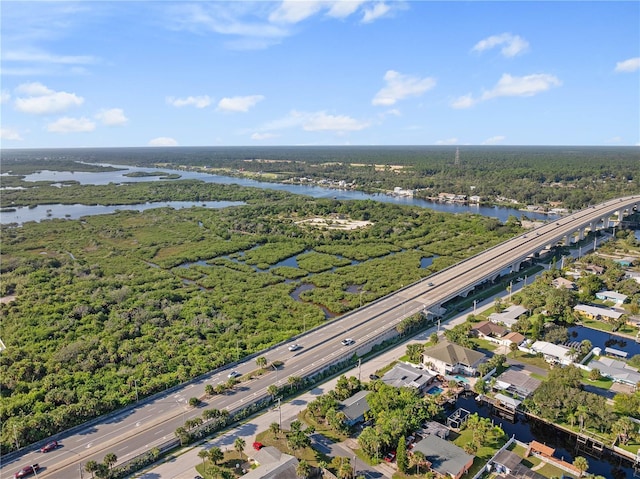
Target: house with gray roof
point(446, 458)
point(355, 407)
point(595, 312)
point(405, 376)
point(450, 358)
point(509, 316)
point(517, 383)
point(273, 464)
point(617, 370)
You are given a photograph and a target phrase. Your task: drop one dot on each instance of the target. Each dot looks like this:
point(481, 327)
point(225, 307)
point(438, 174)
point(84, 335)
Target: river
point(39, 213)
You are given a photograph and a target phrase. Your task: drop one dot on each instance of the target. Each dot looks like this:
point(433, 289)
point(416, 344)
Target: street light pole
point(280, 414)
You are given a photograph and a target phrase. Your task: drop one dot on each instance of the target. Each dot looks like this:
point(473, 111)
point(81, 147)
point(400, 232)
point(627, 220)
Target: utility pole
point(280, 414)
point(80, 470)
point(135, 383)
point(359, 367)
point(475, 302)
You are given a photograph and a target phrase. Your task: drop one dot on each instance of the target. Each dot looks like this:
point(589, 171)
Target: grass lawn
point(485, 344)
point(484, 453)
point(310, 455)
point(209, 471)
point(530, 359)
point(602, 326)
point(602, 383)
point(549, 470)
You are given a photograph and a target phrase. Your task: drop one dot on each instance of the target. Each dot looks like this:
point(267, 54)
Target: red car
point(26, 471)
point(50, 446)
point(390, 456)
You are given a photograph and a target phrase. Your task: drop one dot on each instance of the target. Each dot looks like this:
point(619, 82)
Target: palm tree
point(581, 464)
point(216, 455)
point(91, 466)
point(417, 459)
point(303, 469)
point(110, 459)
point(273, 391)
point(239, 445)
point(274, 427)
point(202, 454)
point(261, 362)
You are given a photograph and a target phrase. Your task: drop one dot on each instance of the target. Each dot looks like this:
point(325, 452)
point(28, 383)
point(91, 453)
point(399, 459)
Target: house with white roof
point(617, 298)
point(273, 464)
point(509, 316)
point(617, 370)
point(553, 353)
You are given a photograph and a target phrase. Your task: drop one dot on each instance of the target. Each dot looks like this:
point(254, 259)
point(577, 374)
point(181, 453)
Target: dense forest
point(570, 177)
point(155, 298)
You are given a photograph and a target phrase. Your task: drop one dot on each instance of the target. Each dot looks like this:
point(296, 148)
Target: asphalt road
point(151, 423)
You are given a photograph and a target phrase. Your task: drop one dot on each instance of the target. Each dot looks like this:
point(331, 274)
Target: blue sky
point(197, 73)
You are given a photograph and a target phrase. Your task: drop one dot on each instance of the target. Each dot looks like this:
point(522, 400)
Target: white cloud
point(448, 141)
point(263, 136)
point(112, 117)
point(527, 85)
point(163, 141)
point(401, 86)
point(465, 101)
point(614, 140)
point(321, 121)
point(239, 103)
point(379, 10)
point(42, 100)
point(508, 85)
point(342, 9)
point(10, 134)
point(5, 96)
point(294, 11)
point(36, 56)
point(494, 140)
point(71, 125)
point(512, 45)
point(630, 65)
point(197, 101)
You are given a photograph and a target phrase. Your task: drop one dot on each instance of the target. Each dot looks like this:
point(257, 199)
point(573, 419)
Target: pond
point(602, 339)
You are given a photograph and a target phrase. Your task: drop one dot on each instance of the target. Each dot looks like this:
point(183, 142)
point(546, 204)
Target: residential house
point(488, 330)
point(273, 464)
point(403, 375)
point(563, 283)
point(517, 383)
point(595, 269)
point(450, 358)
point(617, 370)
point(355, 407)
point(614, 296)
point(596, 312)
point(446, 458)
point(509, 338)
point(509, 464)
point(509, 316)
point(434, 428)
point(553, 353)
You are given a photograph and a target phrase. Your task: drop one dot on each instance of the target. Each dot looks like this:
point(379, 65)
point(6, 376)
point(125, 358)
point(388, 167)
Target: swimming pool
point(435, 390)
point(461, 378)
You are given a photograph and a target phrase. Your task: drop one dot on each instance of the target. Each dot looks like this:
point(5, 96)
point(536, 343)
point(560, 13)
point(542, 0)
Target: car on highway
point(429, 284)
point(347, 342)
point(294, 347)
point(27, 471)
point(234, 374)
point(50, 446)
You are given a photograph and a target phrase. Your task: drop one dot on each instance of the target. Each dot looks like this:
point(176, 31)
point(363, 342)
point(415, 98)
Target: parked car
point(234, 374)
point(27, 471)
point(294, 347)
point(390, 457)
point(50, 446)
point(373, 377)
point(347, 342)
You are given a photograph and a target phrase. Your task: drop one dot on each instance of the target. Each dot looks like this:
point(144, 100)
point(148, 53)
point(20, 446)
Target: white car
point(294, 347)
point(234, 374)
point(347, 342)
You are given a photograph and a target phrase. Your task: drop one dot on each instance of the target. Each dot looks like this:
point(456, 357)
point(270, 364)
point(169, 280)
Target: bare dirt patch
point(335, 223)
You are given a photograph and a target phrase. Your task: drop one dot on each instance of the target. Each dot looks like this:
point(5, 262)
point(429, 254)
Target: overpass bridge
point(461, 278)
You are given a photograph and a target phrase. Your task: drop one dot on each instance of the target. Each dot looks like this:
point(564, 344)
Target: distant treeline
point(571, 177)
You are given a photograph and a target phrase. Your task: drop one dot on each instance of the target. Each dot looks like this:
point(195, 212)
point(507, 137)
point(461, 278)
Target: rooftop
point(445, 457)
point(451, 353)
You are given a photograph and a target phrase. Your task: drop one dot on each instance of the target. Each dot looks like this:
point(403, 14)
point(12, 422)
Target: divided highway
point(151, 423)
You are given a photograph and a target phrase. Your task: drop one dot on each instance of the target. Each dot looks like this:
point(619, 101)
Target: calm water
point(530, 431)
point(22, 215)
